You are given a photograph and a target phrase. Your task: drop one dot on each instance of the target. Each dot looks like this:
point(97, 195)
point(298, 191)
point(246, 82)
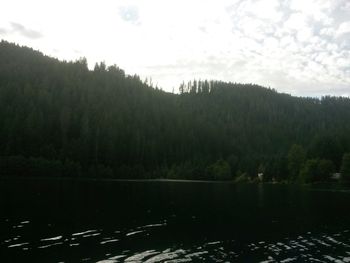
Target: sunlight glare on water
point(166, 222)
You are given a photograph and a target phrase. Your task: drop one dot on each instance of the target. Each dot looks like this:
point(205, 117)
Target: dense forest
point(59, 118)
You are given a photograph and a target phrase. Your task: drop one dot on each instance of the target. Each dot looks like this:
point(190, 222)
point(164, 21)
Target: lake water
point(111, 221)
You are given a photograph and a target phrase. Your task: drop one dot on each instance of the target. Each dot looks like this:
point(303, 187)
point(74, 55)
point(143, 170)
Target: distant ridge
point(64, 119)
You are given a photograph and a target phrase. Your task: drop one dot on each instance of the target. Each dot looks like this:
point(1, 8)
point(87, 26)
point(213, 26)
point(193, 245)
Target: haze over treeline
point(62, 119)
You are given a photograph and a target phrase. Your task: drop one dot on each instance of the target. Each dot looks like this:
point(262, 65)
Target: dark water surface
point(111, 221)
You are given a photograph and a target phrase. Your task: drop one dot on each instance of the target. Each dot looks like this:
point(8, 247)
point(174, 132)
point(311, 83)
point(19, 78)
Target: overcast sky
point(300, 47)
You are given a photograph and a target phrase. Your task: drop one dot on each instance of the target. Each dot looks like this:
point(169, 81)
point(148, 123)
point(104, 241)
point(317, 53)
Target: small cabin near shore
point(336, 176)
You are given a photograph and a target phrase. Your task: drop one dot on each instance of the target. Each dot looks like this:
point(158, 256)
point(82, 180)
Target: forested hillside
point(62, 119)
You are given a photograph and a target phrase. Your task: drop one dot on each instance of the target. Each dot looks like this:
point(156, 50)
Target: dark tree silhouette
point(62, 119)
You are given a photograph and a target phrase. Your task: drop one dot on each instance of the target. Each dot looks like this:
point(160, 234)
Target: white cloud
point(296, 21)
point(317, 10)
point(327, 31)
point(264, 9)
point(129, 13)
point(343, 28)
point(305, 34)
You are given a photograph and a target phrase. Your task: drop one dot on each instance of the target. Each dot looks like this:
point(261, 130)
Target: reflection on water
point(165, 222)
point(305, 248)
point(308, 247)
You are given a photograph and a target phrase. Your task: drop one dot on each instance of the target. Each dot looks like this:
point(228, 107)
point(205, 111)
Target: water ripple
point(306, 248)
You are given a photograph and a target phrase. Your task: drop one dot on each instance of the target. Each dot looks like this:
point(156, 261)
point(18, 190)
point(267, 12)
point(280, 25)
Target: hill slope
point(63, 119)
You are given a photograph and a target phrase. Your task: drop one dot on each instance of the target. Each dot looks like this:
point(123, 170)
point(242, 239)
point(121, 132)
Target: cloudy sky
point(301, 47)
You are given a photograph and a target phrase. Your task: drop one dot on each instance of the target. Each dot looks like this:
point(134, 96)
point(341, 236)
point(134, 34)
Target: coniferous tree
point(345, 167)
point(103, 122)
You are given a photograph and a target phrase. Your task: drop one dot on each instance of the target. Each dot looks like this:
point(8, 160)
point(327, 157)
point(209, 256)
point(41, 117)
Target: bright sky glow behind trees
point(295, 46)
